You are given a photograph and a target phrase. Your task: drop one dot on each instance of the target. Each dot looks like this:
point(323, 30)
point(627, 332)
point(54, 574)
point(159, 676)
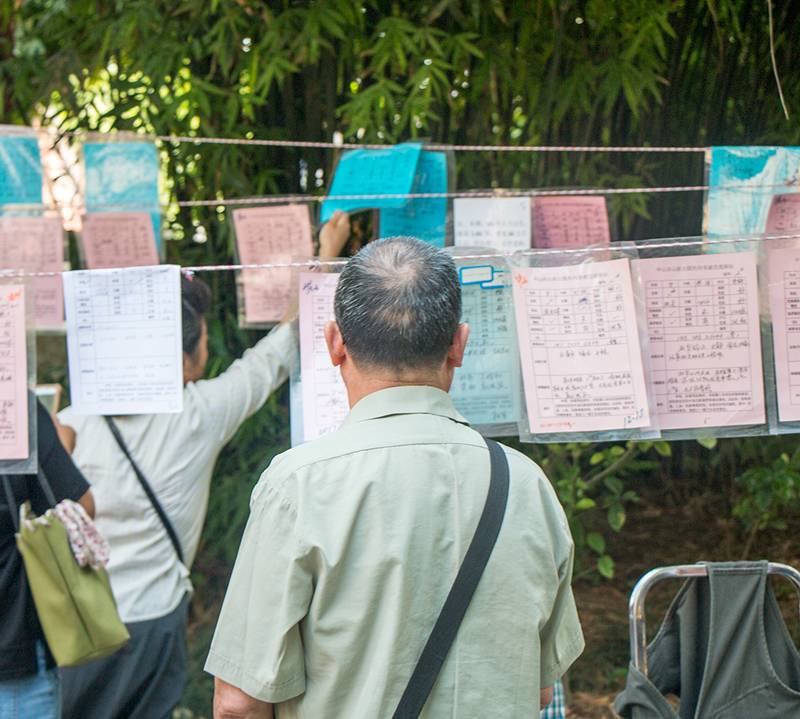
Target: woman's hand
point(334, 235)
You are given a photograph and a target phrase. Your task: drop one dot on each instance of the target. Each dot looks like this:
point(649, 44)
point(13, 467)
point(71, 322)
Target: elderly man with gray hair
point(399, 545)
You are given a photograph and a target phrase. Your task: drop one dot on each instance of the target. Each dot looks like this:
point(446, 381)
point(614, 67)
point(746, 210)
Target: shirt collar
point(417, 399)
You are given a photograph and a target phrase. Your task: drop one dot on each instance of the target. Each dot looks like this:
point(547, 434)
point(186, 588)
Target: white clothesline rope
point(334, 145)
point(313, 263)
point(493, 193)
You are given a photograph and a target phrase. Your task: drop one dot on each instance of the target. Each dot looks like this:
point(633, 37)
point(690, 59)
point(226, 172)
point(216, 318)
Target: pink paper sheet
point(325, 403)
point(119, 239)
point(36, 244)
point(579, 345)
point(13, 374)
point(270, 234)
point(569, 221)
point(783, 268)
point(784, 214)
point(705, 341)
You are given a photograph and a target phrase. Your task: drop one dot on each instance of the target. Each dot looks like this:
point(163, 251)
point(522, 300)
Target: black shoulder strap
point(455, 607)
point(11, 501)
point(148, 490)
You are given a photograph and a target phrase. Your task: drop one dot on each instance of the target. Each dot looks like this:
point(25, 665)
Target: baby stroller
point(723, 648)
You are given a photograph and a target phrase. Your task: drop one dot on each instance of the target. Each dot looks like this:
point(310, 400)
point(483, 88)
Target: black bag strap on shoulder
point(148, 490)
point(11, 500)
point(455, 607)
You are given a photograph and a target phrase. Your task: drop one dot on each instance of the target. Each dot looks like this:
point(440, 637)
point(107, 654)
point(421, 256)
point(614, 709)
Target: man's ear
point(335, 342)
point(455, 355)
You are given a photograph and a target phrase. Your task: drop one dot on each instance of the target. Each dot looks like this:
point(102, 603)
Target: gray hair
point(398, 304)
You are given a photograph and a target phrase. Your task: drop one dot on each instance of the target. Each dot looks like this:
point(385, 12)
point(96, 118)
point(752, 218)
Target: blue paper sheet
point(487, 389)
point(425, 219)
point(373, 172)
point(123, 177)
point(752, 176)
point(20, 170)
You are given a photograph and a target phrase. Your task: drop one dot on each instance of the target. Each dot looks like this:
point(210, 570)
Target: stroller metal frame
point(636, 616)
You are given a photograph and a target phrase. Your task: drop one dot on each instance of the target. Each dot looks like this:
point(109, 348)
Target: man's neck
point(361, 386)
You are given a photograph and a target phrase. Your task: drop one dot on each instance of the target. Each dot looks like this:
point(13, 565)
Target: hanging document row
point(616, 347)
point(588, 345)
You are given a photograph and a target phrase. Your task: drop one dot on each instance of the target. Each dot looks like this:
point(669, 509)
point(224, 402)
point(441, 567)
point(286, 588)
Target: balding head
point(398, 304)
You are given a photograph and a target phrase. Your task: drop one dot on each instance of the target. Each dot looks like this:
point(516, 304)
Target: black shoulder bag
point(148, 490)
point(455, 607)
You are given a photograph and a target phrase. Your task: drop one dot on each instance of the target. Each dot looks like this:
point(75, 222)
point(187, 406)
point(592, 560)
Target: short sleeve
point(257, 645)
point(64, 477)
point(561, 637)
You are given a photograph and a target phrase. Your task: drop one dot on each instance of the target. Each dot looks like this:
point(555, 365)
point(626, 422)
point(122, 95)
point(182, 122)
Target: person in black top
point(28, 680)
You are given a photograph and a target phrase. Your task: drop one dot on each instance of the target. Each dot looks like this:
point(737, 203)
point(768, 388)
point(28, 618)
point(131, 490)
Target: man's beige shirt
point(351, 547)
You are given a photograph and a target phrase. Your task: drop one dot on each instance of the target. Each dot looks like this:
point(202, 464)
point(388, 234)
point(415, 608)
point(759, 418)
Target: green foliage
point(596, 483)
point(559, 72)
point(770, 494)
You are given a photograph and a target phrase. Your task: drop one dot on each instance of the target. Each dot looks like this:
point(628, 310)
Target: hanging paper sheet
point(124, 340)
point(502, 223)
point(487, 388)
point(373, 172)
point(264, 235)
point(783, 270)
point(750, 176)
point(569, 221)
point(20, 168)
point(123, 177)
point(36, 244)
point(325, 402)
point(423, 218)
point(14, 444)
point(784, 215)
point(705, 341)
point(579, 344)
point(118, 239)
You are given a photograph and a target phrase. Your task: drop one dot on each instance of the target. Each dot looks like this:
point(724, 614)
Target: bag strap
point(11, 501)
point(455, 607)
point(45, 485)
point(148, 490)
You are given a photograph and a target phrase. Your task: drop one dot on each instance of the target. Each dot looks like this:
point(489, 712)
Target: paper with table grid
point(13, 374)
point(36, 244)
point(705, 339)
point(124, 340)
point(579, 345)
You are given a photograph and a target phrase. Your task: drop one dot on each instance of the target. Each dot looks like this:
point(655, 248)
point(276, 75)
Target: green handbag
point(75, 604)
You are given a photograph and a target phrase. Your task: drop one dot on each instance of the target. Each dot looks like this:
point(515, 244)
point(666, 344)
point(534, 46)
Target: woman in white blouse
point(176, 454)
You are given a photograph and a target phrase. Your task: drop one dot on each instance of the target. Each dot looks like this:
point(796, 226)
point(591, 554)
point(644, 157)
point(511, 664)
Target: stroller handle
point(636, 618)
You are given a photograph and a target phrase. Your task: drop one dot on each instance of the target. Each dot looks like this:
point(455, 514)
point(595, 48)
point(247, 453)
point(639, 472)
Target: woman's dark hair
point(196, 301)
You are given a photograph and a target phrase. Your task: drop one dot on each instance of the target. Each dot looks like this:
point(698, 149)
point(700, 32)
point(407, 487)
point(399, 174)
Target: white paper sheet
point(325, 402)
point(579, 344)
point(124, 340)
point(705, 341)
point(503, 223)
